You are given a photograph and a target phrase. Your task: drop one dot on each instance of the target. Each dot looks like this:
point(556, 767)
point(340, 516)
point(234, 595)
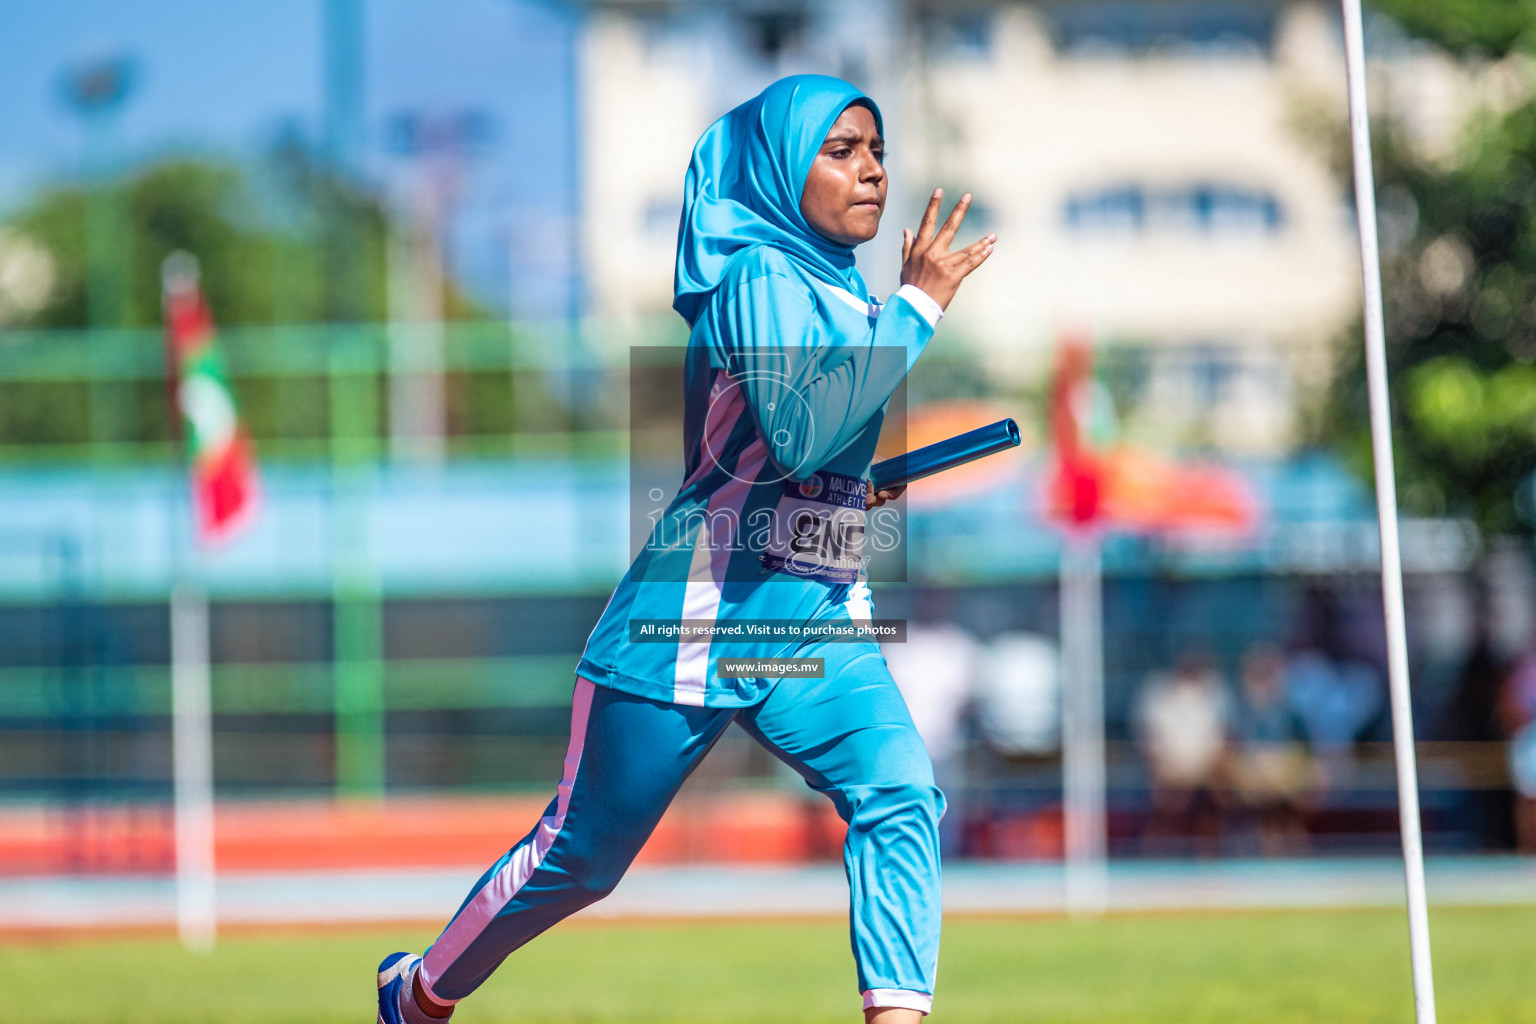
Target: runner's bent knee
point(870, 806)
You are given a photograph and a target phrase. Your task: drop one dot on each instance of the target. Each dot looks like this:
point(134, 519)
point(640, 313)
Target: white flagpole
point(192, 759)
point(1386, 511)
point(1082, 726)
point(191, 694)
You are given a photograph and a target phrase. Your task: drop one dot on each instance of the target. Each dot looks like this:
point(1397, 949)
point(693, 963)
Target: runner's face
point(844, 192)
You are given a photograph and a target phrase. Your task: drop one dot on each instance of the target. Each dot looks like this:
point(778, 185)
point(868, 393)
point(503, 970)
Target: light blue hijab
point(744, 183)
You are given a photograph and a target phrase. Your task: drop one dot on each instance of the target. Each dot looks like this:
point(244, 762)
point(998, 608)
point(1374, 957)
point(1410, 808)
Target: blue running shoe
point(393, 973)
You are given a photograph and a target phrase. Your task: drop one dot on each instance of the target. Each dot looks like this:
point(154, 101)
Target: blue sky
point(222, 77)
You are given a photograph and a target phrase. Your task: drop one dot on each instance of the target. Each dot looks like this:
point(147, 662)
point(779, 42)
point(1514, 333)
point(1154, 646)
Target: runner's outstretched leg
point(626, 760)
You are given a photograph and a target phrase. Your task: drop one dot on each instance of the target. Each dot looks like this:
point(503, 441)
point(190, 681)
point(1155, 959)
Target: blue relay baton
point(936, 458)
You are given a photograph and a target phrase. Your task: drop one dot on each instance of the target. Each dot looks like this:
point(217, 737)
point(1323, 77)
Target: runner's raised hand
point(925, 257)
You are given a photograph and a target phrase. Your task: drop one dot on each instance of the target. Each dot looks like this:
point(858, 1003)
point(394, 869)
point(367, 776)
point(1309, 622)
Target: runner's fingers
point(930, 216)
point(956, 217)
point(963, 261)
point(906, 244)
point(981, 243)
point(975, 259)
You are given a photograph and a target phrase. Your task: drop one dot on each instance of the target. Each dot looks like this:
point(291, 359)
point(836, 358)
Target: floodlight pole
point(1386, 511)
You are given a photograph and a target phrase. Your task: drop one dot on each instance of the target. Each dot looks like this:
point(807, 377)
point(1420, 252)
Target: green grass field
point(1331, 966)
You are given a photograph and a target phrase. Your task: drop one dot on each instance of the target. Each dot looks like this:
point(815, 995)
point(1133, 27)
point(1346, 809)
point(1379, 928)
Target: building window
point(773, 34)
point(965, 36)
point(1121, 210)
point(1149, 28)
point(664, 38)
point(1211, 369)
point(661, 216)
point(1201, 208)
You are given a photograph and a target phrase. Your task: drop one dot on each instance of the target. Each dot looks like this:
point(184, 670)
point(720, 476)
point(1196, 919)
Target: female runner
point(789, 367)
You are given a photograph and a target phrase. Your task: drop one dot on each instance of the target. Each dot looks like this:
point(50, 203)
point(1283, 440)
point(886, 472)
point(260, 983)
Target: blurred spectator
point(1335, 694)
point(1518, 711)
point(1472, 714)
point(934, 670)
point(1272, 772)
point(1475, 714)
point(1182, 719)
point(1018, 695)
point(1335, 701)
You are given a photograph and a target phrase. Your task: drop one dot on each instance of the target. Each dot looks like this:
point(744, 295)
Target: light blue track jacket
point(787, 378)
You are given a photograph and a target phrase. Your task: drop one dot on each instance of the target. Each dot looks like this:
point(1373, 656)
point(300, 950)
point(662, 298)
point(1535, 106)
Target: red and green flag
point(220, 456)
point(1104, 481)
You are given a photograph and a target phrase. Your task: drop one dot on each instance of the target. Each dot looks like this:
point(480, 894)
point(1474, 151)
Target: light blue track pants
point(848, 734)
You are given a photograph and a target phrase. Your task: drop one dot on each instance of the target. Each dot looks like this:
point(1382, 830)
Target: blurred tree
point(1467, 28)
point(257, 234)
point(254, 273)
point(1460, 291)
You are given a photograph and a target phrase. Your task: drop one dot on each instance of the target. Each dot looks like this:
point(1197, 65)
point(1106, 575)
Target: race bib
point(818, 529)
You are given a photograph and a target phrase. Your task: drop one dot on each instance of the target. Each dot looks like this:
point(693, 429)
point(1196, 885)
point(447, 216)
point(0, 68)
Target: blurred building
point(1158, 174)
point(1147, 162)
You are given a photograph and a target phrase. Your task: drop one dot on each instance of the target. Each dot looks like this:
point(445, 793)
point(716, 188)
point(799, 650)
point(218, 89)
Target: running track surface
point(353, 896)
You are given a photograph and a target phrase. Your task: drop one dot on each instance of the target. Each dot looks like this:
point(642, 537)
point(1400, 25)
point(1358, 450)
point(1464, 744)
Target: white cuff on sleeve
point(899, 998)
point(923, 303)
